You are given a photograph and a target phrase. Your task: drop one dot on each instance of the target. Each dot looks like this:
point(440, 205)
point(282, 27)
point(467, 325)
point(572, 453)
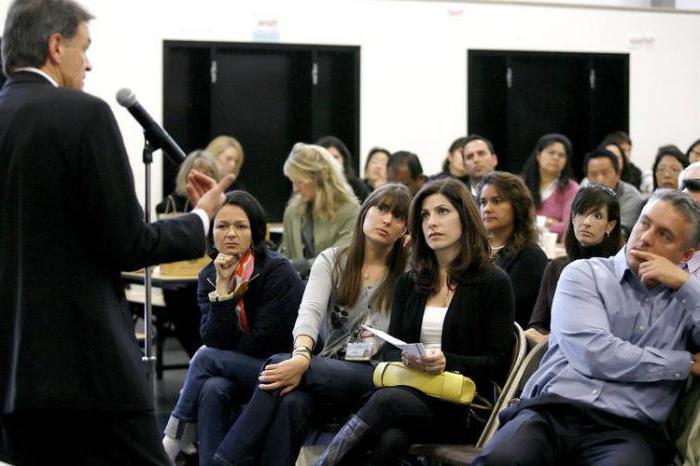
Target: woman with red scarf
point(249, 297)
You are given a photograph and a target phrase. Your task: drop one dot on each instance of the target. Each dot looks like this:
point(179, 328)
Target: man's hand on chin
point(654, 269)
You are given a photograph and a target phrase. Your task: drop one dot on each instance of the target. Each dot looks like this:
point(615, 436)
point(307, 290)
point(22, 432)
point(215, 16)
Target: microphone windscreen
point(125, 97)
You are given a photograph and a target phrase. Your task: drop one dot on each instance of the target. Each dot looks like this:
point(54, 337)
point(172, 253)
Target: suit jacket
point(478, 327)
point(70, 222)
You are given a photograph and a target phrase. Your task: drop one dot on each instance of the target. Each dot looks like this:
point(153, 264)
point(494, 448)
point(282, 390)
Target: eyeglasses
point(668, 171)
point(691, 184)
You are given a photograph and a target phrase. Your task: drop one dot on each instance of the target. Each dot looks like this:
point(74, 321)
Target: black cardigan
point(478, 327)
point(542, 312)
point(525, 269)
point(271, 304)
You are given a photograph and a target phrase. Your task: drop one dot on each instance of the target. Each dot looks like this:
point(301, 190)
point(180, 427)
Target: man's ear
point(495, 157)
point(54, 48)
point(688, 254)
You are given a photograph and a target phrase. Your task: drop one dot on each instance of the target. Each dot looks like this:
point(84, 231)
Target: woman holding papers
point(455, 302)
point(348, 288)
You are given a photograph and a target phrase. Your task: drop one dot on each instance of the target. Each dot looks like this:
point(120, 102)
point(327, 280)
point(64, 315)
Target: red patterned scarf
point(239, 285)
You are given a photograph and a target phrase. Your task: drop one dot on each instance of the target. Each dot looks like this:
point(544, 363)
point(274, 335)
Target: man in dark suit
point(72, 384)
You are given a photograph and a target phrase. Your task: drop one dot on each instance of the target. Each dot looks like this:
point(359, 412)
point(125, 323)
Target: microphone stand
point(148, 357)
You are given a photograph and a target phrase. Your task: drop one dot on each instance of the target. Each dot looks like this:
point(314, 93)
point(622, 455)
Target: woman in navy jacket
point(249, 296)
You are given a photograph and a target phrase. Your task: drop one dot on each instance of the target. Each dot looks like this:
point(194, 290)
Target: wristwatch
point(215, 298)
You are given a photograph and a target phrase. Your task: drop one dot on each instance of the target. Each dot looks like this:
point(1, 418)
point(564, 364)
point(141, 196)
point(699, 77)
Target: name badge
point(358, 351)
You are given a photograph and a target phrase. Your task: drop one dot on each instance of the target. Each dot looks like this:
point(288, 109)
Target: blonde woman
point(323, 209)
point(229, 155)
point(178, 201)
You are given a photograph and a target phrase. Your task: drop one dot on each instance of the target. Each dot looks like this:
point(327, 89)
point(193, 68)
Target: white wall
point(413, 82)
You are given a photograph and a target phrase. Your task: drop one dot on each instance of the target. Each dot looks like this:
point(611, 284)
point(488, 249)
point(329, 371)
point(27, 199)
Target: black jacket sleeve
point(491, 357)
point(402, 290)
point(525, 272)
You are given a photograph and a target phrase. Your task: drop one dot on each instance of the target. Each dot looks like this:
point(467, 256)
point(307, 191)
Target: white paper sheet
point(415, 349)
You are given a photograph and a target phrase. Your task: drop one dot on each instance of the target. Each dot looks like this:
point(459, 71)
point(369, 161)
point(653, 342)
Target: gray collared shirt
point(616, 344)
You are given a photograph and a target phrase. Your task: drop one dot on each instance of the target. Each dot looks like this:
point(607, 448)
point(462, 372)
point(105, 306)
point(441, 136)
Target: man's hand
point(205, 193)
point(695, 368)
point(655, 269)
point(434, 361)
point(285, 375)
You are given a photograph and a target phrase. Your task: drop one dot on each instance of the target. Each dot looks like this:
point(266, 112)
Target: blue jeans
point(217, 381)
point(272, 428)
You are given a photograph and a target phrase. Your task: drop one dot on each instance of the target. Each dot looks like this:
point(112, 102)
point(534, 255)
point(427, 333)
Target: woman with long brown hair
point(455, 302)
point(509, 216)
point(347, 288)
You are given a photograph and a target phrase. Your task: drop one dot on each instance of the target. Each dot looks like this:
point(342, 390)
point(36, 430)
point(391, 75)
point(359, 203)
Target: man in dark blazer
point(72, 384)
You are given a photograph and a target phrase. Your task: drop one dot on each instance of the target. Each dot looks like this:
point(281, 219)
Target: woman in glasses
point(668, 164)
point(593, 230)
point(348, 288)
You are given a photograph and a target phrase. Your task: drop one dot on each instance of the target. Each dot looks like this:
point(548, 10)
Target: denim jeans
point(272, 428)
point(217, 381)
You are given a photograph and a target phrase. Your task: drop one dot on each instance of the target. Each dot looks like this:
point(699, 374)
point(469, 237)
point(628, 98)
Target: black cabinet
point(268, 96)
point(516, 97)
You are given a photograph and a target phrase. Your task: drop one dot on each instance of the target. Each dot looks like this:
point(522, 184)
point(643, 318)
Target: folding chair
point(517, 378)
point(519, 351)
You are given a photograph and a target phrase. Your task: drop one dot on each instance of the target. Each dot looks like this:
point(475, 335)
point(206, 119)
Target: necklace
point(448, 296)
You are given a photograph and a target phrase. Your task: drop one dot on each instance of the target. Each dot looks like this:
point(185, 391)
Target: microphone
point(157, 137)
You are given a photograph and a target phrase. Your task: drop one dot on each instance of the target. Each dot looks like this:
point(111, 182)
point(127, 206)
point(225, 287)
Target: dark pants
point(400, 416)
point(272, 428)
point(217, 381)
point(51, 436)
point(182, 309)
point(571, 433)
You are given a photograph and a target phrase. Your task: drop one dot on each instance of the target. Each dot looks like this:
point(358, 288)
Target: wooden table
point(135, 294)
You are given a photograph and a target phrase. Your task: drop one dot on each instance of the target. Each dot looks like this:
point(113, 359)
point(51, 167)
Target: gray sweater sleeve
point(314, 304)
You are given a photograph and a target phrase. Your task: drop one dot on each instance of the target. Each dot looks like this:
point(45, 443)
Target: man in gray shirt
point(601, 167)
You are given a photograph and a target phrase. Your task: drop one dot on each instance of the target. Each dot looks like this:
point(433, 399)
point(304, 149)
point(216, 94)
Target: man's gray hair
point(29, 25)
point(686, 206)
point(692, 166)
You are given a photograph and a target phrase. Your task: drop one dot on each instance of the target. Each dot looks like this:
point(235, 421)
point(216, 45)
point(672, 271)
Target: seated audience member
point(229, 155)
point(348, 288)
point(405, 168)
point(375, 168)
point(479, 158)
point(600, 167)
point(323, 210)
point(342, 155)
point(593, 231)
point(683, 422)
point(178, 201)
point(508, 214)
point(548, 175)
point(249, 296)
point(668, 164)
point(617, 356)
point(630, 172)
point(689, 183)
point(181, 308)
point(693, 154)
point(460, 306)
point(453, 166)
